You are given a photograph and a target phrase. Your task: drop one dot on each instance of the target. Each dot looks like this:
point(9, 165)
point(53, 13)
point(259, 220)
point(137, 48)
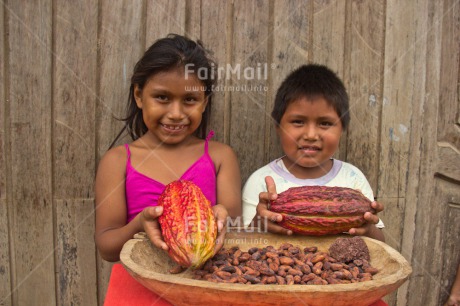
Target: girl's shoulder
point(220, 152)
point(216, 147)
point(115, 157)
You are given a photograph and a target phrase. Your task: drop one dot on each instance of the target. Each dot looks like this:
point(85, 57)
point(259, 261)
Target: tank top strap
point(127, 150)
point(210, 134)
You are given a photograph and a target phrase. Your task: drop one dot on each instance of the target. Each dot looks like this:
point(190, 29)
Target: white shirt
point(342, 174)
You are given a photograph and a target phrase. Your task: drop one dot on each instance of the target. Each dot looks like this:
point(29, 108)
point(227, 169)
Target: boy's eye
point(326, 123)
point(297, 122)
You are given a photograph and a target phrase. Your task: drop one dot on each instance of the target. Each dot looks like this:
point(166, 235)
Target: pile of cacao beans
point(286, 265)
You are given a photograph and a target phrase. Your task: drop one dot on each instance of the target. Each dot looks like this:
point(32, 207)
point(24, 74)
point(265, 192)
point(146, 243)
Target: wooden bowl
point(150, 266)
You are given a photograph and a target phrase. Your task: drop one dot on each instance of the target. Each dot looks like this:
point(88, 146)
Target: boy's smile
point(309, 132)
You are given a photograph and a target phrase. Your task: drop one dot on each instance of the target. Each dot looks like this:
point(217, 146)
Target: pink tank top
point(143, 191)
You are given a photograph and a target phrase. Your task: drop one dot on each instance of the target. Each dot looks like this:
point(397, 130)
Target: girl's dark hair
point(312, 81)
point(173, 51)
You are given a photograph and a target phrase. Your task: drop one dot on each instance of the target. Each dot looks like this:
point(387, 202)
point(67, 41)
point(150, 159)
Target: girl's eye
point(191, 100)
point(162, 98)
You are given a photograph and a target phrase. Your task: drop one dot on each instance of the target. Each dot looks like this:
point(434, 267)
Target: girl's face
point(309, 132)
point(172, 105)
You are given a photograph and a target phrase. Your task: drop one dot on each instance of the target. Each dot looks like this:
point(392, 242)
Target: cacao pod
point(321, 210)
point(187, 224)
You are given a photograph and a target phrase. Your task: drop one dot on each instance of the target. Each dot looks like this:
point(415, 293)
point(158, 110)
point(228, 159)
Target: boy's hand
point(267, 217)
point(151, 226)
point(221, 214)
point(369, 229)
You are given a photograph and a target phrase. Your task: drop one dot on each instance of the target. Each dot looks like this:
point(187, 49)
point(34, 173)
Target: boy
point(311, 111)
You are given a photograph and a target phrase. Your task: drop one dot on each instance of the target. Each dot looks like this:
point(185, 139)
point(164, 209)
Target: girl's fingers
point(152, 227)
point(151, 213)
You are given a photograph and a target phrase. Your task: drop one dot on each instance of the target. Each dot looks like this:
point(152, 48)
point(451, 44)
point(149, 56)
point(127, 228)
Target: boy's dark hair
point(173, 51)
point(312, 81)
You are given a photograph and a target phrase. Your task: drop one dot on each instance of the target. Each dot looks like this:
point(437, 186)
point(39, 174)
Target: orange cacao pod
point(321, 210)
point(187, 224)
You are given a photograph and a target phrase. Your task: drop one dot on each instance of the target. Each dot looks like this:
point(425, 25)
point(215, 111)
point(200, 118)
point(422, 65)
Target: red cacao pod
point(187, 224)
point(321, 210)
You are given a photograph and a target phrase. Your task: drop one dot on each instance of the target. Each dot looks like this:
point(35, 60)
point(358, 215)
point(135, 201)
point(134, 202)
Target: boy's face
point(309, 132)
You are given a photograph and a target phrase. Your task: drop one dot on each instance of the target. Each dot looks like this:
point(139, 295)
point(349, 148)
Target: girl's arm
point(228, 179)
point(454, 297)
point(111, 229)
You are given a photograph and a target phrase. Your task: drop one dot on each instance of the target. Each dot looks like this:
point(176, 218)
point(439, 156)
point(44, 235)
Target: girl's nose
point(175, 111)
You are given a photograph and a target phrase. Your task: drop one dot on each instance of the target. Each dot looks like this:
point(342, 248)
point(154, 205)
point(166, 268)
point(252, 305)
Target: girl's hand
point(151, 226)
point(369, 229)
point(266, 217)
point(221, 214)
point(453, 301)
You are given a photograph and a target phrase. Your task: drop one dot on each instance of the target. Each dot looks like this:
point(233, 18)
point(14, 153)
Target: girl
point(168, 110)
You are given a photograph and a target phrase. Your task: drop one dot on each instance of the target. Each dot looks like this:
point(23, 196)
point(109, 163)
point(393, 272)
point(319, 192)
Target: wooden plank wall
point(65, 74)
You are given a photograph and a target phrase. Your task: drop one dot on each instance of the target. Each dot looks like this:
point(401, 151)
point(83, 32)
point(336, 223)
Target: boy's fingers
point(276, 229)
point(371, 218)
point(264, 197)
point(263, 212)
point(377, 206)
point(271, 187)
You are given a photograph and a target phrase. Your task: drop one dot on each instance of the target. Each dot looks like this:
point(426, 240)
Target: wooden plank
point(290, 49)
point(401, 80)
point(122, 43)
point(30, 206)
point(216, 23)
point(364, 85)
point(451, 255)
point(75, 96)
point(247, 95)
point(329, 44)
point(328, 34)
point(421, 222)
point(121, 46)
point(75, 99)
point(5, 281)
point(193, 17)
point(77, 282)
point(165, 17)
point(448, 164)
point(449, 107)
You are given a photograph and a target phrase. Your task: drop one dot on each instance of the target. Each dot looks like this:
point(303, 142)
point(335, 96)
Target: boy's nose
point(311, 133)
